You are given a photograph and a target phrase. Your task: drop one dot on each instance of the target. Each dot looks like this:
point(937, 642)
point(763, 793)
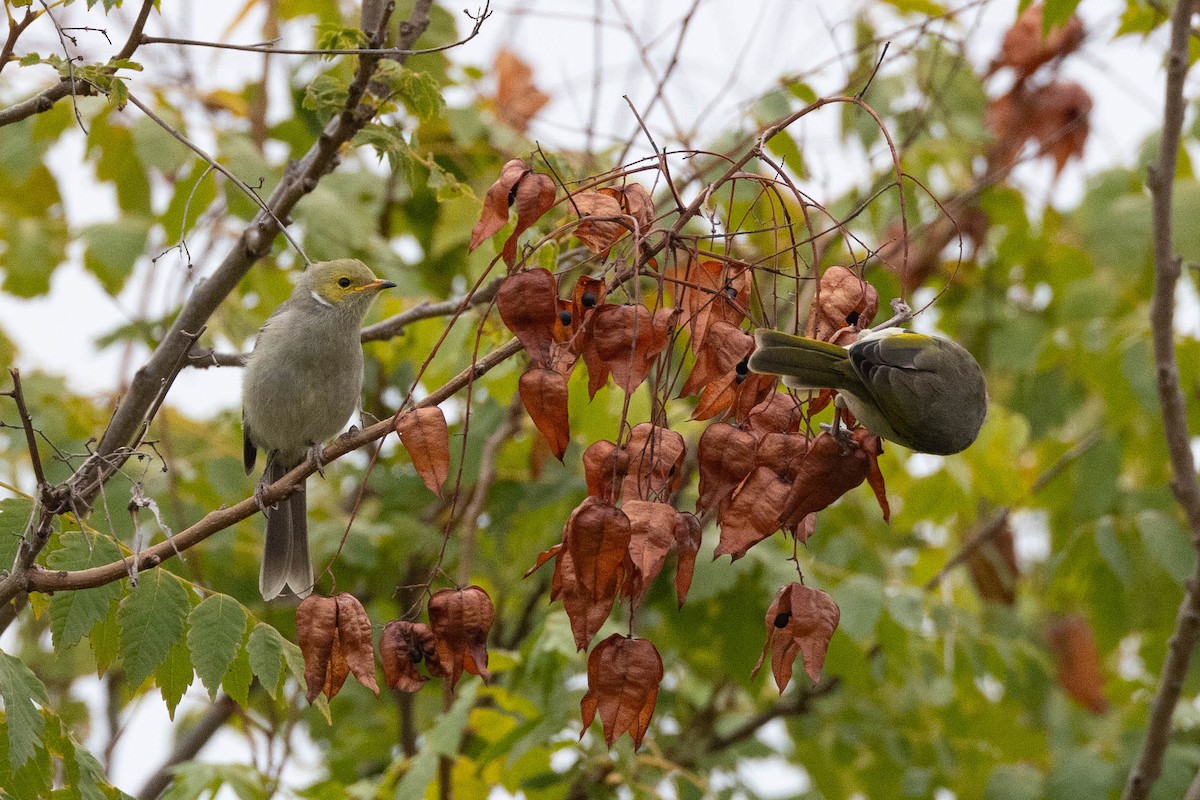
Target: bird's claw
point(260, 491)
point(841, 434)
point(314, 455)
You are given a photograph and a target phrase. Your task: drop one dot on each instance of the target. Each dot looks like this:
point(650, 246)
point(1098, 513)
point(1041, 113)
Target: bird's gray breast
point(302, 381)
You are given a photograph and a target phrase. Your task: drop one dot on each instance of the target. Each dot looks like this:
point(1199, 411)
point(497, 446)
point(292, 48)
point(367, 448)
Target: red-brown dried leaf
point(753, 515)
point(843, 300)
point(316, 632)
point(604, 467)
point(354, 636)
point(600, 226)
point(725, 455)
point(800, 621)
point(528, 305)
point(993, 566)
point(1074, 648)
point(708, 291)
point(782, 453)
point(628, 338)
point(827, 473)
point(687, 545)
point(1061, 120)
point(652, 529)
point(334, 635)
point(655, 462)
point(623, 679)
point(872, 445)
point(534, 196)
point(517, 99)
point(634, 201)
point(426, 437)
point(724, 347)
point(753, 389)
point(460, 620)
point(597, 538)
point(541, 559)
point(1028, 46)
point(544, 395)
point(716, 397)
point(585, 613)
point(776, 413)
point(496, 202)
point(402, 646)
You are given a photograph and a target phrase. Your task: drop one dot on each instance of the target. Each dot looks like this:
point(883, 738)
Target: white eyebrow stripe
point(320, 299)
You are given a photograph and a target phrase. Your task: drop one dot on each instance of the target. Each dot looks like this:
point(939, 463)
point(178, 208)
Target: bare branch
point(477, 18)
point(35, 458)
point(1167, 267)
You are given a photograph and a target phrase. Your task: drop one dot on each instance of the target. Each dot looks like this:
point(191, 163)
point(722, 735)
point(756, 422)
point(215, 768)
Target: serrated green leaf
point(73, 614)
point(174, 676)
point(338, 37)
point(265, 650)
point(215, 631)
point(420, 93)
point(14, 517)
point(151, 619)
point(20, 689)
point(194, 778)
point(326, 95)
point(237, 679)
point(105, 641)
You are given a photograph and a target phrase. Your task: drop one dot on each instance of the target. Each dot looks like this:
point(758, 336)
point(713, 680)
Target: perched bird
point(302, 383)
point(920, 391)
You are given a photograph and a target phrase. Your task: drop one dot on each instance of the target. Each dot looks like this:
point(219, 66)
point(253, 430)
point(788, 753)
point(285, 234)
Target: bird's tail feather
point(286, 568)
point(804, 363)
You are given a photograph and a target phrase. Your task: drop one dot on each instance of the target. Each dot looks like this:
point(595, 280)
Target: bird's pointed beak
point(376, 286)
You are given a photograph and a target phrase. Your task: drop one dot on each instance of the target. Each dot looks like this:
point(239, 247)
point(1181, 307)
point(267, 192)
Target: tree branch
point(42, 580)
point(136, 408)
point(1161, 179)
point(189, 746)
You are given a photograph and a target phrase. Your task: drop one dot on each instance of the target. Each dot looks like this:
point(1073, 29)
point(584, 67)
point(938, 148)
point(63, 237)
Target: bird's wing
point(897, 366)
point(249, 451)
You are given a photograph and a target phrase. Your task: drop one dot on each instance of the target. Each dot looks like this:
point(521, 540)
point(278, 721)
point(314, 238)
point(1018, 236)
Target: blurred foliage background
point(973, 682)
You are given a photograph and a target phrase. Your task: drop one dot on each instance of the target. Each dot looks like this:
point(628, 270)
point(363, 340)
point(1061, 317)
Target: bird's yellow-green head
point(346, 284)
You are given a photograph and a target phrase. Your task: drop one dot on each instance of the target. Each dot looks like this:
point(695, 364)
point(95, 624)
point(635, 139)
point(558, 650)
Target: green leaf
point(194, 779)
point(326, 95)
point(113, 248)
point(338, 37)
point(1013, 782)
point(174, 676)
point(1057, 12)
point(215, 631)
point(193, 195)
point(860, 598)
point(20, 689)
point(265, 650)
point(1168, 543)
point(74, 614)
point(442, 739)
point(924, 7)
point(237, 679)
point(14, 517)
point(105, 641)
point(294, 660)
point(151, 620)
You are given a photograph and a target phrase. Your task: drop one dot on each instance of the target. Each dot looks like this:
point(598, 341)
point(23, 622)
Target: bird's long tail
point(804, 363)
point(286, 568)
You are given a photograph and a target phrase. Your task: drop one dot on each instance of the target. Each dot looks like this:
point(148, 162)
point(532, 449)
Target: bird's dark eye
point(343, 282)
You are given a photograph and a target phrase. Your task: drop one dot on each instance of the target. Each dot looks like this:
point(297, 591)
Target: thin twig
point(35, 458)
point(1167, 266)
point(477, 18)
point(212, 162)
